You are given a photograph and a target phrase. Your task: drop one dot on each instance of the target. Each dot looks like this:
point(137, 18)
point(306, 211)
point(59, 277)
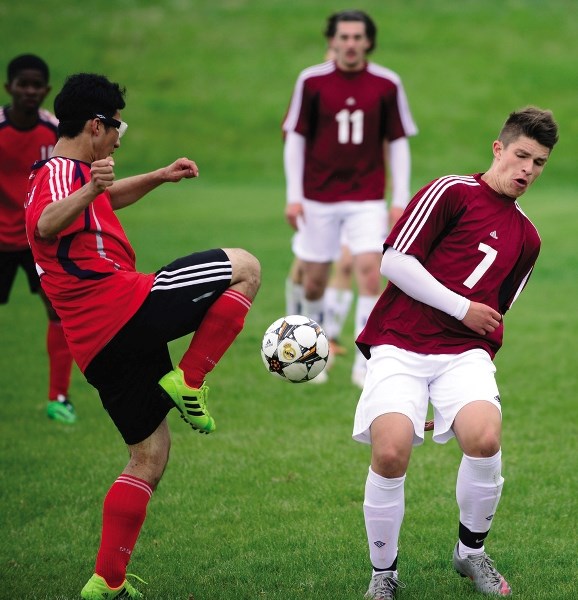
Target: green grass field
point(269, 507)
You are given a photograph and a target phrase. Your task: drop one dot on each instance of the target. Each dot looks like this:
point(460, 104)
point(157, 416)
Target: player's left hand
point(428, 426)
point(182, 168)
point(395, 213)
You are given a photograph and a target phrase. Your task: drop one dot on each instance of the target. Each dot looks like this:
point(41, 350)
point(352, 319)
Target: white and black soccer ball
point(295, 348)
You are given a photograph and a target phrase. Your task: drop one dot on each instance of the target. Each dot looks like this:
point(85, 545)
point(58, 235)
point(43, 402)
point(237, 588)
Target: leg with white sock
point(339, 298)
point(384, 500)
point(315, 277)
point(294, 289)
point(383, 510)
point(478, 490)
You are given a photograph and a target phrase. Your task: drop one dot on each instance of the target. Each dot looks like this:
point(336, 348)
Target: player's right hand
point(102, 174)
point(293, 211)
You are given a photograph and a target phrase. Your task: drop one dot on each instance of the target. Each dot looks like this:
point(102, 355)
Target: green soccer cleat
point(191, 402)
point(61, 410)
point(96, 588)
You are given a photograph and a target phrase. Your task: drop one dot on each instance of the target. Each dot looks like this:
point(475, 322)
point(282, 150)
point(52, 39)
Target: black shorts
point(127, 370)
point(9, 263)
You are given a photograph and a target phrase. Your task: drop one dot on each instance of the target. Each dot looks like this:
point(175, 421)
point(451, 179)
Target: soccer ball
point(295, 348)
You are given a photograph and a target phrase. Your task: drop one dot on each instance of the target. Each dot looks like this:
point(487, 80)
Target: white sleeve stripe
point(520, 287)
point(421, 212)
point(60, 176)
point(296, 99)
point(407, 121)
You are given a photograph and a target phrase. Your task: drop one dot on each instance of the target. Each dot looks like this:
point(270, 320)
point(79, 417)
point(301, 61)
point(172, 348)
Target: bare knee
point(246, 276)
point(485, 444)
point(478, 429)
point(389, 461)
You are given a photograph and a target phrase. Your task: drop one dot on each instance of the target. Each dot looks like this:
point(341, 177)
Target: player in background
point(347, 119)
point(338, 296)
point(456, 261)
point(119, 321)
point(27, 134)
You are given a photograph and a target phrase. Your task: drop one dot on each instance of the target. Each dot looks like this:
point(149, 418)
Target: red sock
point(123, 514)
point(218, 330)
point(60, 360)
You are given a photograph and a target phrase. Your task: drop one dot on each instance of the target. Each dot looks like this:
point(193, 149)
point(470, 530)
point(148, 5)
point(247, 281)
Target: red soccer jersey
point(19, 150)
point(345, 118)
point(473, 240)
point(88, 270)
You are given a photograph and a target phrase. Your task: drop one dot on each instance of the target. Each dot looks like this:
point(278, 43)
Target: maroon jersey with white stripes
point(476, 242)
point(345, 118)
point(19, 150)
point(88, 269)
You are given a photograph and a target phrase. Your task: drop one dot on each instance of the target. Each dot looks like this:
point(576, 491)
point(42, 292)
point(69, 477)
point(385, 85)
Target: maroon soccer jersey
point(345, 118)
point(88, 270)
point(473, 240)
point(19, 150)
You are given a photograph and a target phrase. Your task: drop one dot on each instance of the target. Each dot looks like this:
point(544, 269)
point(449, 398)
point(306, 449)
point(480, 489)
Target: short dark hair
point(27, 61)
point(353, 15)
point(532, 122)
point(82, 97)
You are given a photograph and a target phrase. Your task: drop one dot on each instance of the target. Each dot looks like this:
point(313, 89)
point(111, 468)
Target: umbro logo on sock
point(379, 544)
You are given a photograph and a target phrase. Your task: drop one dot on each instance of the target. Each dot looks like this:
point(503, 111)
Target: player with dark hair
point(347, 124)
point(456, 261)
point(119, 321)
point(27, 134)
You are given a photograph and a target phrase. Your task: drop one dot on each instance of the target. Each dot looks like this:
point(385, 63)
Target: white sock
point(363, 308)
point(383, 509)
point(314, 309)
point(337, 305)
point(478, 490)
point(293, 297)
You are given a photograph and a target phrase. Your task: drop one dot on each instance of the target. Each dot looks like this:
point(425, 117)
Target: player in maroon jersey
point(456, 261)
point(28, 134)
point(347, 118)
point(119, 321)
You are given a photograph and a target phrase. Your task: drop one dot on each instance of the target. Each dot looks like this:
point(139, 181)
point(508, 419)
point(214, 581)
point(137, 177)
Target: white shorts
point(406, 382)
point(319, 238)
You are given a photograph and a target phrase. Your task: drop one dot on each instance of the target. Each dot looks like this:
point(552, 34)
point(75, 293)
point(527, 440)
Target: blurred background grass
point(212, 78)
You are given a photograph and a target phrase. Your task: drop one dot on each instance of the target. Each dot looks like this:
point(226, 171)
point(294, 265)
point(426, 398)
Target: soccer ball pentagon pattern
point(295, 348)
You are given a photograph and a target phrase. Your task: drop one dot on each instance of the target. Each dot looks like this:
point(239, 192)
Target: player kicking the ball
point(118, 321)
point(456, 261)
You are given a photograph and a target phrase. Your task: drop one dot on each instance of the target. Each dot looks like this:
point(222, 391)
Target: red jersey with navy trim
point(19, 150)
point(345, 118)
point(88, 271)
point(473, 240)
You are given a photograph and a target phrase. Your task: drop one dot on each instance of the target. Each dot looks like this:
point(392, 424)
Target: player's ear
point(497, 148)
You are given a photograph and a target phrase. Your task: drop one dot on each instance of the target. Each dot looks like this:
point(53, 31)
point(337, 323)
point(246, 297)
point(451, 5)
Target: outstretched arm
point(131, 189)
